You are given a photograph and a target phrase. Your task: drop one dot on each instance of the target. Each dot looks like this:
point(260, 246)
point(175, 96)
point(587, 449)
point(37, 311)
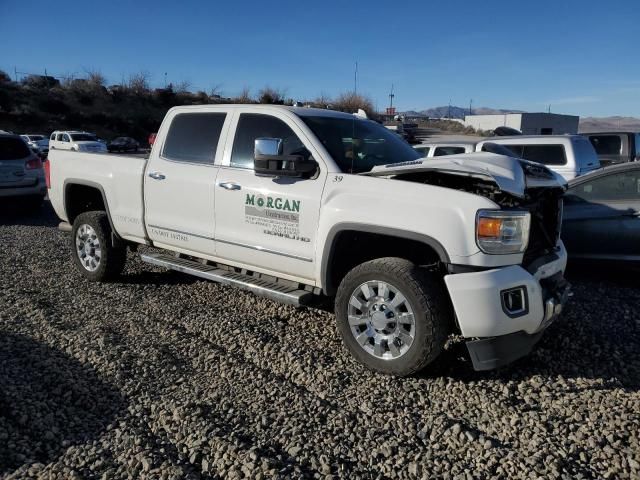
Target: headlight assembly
point(502, 231)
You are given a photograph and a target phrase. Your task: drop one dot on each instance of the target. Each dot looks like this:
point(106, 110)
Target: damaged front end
point(512, 183)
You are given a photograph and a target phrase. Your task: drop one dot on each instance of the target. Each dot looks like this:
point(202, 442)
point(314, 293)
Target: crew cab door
point(179, 182)
point(267, 222)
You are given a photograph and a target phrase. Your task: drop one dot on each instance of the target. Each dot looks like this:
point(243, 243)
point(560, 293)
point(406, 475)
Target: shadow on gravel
point(168, 277)
point(48, 402)
point(12, 212)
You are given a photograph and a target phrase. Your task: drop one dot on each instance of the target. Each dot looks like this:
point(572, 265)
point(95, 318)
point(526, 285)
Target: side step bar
point(274, 291)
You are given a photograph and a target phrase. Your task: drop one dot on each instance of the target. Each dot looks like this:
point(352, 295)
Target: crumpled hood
point(511, 175)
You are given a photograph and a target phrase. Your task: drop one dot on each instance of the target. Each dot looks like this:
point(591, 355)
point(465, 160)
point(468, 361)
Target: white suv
point(77, 141)
point(568, 155)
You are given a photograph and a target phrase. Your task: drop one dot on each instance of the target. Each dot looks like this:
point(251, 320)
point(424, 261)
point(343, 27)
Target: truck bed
point(118, 177)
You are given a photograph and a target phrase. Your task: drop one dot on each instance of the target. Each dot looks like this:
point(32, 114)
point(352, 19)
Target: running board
point(274, 291)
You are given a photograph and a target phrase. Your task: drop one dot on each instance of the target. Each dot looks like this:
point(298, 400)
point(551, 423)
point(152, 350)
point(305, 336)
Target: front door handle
point(157, 176)
point(230, 185)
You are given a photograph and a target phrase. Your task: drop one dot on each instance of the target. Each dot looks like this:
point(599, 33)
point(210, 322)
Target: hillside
point(456, 112)
point(609, 124)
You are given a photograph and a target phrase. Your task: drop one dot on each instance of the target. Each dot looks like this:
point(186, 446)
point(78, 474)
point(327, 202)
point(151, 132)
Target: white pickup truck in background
point(299, 203)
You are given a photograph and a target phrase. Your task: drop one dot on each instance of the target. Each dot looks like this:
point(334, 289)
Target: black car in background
point(602, 214)
point(123, 144)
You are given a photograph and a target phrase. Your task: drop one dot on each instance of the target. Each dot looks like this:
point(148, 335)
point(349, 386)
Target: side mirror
point(269, 160)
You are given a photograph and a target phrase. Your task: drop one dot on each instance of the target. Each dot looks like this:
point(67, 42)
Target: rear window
point(441, 151)
point(83, 137)
point(606, 144)
point(193, 137)
point(553, 154)
point(13, 149)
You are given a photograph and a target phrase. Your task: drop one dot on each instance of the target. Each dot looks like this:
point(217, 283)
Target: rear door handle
point(230, 185)
point(157, 176)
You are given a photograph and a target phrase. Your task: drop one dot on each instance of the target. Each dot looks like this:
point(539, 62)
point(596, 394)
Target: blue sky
point(582, 57)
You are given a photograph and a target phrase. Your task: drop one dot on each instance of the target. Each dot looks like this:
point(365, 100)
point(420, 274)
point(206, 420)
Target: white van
point(77, 141)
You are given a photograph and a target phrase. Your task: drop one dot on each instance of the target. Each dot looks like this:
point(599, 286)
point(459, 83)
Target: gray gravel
point(161, 375)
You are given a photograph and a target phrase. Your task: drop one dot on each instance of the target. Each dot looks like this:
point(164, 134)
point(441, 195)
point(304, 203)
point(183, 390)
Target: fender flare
point(328, 252)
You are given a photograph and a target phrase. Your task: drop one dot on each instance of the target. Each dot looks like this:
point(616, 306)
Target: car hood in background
point(511, 175)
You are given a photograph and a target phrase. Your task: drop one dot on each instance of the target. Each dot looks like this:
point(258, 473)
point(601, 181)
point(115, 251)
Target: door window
point(616, 186)
point(65, 138)
point(193, 137)
point(606, 144)
point(254, 125)
point(441, 151)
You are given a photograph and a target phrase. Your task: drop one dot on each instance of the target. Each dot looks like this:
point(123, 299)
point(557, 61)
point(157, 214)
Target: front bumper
point(499, 335)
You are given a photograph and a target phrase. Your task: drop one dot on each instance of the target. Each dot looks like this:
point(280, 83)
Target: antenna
point(391, 95)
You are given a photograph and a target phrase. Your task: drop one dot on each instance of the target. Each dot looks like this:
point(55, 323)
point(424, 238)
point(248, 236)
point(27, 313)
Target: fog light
point(515, 301)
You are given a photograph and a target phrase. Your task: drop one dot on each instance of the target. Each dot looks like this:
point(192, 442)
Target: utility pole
point(549, 109)
point(15, 73)
point(391, 95)
point(165, 79)
point(355, 80)
point(449, 116)
point(471, 107)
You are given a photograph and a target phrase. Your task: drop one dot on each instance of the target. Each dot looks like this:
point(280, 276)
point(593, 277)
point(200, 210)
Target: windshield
point(83, 137)
point(359, 145)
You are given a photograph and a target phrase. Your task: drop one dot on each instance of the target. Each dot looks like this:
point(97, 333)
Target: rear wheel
point(92, 250)
point(393, 316)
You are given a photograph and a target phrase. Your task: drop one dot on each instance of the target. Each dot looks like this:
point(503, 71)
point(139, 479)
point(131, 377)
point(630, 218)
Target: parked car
point(77, 141)
point(602, 214)
point(38, 142)
point(567, 155)
point(615, 147)
point(123, 144)
point(21, 172)
point(286, 202)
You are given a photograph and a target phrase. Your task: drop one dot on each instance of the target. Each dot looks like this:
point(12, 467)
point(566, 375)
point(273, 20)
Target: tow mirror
point(269, 160)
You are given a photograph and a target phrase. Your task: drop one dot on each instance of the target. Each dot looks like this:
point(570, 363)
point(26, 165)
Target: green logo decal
point(275, 203)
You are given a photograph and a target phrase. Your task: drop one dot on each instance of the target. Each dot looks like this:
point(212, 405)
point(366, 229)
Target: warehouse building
point(527, 123)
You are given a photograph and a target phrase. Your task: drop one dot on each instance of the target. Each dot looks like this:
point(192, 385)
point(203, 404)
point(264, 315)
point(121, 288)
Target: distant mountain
point(609, 124)
point(455, 112)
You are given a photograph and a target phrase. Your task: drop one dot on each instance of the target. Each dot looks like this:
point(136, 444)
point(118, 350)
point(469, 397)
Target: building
point(527, 123)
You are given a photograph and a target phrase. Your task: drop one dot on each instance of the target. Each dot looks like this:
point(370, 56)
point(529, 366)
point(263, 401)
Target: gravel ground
point(161, 375)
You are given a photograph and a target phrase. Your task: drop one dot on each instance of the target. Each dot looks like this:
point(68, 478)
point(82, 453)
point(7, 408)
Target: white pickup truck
point(303, 204)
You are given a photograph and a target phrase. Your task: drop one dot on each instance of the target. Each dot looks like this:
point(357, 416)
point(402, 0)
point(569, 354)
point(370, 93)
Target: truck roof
point(300, 111)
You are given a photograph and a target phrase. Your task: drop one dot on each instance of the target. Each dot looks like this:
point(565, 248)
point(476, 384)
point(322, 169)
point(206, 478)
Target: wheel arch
point(416, 246)
point(76, 190)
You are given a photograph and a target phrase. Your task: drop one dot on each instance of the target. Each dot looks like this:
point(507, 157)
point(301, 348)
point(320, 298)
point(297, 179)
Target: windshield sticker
point(274, 215)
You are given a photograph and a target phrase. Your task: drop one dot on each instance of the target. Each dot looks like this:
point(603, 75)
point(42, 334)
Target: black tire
point(428, 300)
point(111, 260)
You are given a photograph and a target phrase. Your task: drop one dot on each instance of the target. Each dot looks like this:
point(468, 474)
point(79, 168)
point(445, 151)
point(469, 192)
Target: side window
point(254, 125)
point(65, 138)
point(606, 144)
point(193, 137)
point(617, 186)
point(424, 151)
point(53, 137)
point(545, 154)
point(440, 151)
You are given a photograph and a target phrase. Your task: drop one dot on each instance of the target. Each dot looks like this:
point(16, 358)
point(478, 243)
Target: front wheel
point(392, 315)
point(92, 250)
